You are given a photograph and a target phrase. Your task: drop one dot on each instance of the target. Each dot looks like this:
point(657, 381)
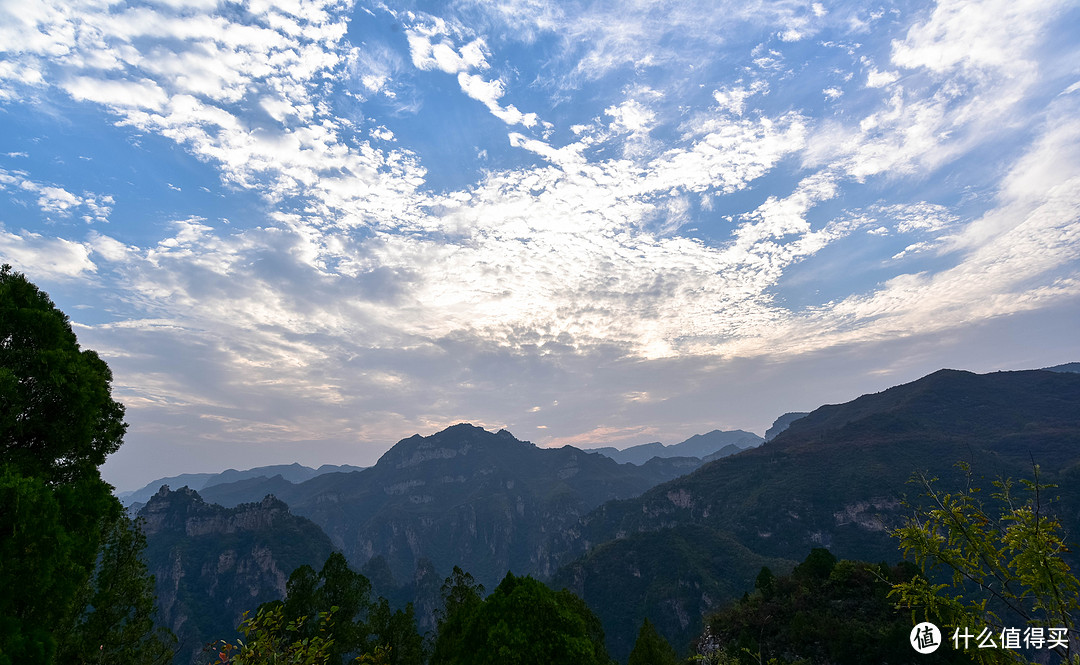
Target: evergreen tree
point(335, 605)
point(651, 648)
point(335, 587)
point(58, 422)
point(522, 622)
point(117, 621)
point(462, 596)
point(395, 631)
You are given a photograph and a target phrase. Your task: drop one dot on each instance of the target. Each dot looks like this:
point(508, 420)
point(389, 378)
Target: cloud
point(1018, 257)
point(976, 38)
point(965, 69)
point(652, 223)
point(49, 258)
point(631, 116)
point(431, 47)
point(55, 201)
point(733, 99)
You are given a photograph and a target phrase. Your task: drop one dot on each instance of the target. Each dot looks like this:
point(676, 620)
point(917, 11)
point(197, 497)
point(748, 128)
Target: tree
point(58, 422)
point(1002, 564)
point(462, 595)
point(825, 611)
point(396, 632)
point(651, 649)
point(117, 621)
point(271, 639)
point(335, 586)
point(521, 623)
point(359, 626)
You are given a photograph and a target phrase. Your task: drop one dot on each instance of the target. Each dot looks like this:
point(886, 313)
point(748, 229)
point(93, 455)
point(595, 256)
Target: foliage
point(462, 595)
point(336, 585)
point(395, 632)
point(117, 621)
point(1004, 565)
point(360, 627)
point(651, 649)
point(521, 622)
point(270, 639)
point(826, 611)
point(58, 422)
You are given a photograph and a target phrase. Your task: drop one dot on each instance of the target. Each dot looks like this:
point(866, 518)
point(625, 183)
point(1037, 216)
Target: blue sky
point(302, 230)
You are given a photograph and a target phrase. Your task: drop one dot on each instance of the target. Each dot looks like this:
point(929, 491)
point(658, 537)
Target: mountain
point(211, 564)
point(782, 423)
point(837, 478)
point(293, 473)
point(1067, 367)
point(699, 445)
point(463, 496)
point(729, 449)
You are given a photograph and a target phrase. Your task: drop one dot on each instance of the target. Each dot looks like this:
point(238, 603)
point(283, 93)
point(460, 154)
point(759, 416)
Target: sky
point(302, 230)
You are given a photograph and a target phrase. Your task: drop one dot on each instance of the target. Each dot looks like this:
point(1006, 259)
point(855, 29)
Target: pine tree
point(651, 648)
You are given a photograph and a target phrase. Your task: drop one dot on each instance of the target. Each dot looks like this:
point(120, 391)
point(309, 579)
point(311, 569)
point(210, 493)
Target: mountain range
point(461, 495)
point(712, 445)
point(293, 473)
point(673, 538)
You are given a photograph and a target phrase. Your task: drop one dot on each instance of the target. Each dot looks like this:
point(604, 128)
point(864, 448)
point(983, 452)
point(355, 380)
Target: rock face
point(464, 496)
point(211, 564)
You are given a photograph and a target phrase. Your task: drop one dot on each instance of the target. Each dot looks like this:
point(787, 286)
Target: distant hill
point(835, 478)
point(1067, 367)
point(699, 445)
point(463, 496)
point(293, 473)
point(782, 423)
point(211, 564)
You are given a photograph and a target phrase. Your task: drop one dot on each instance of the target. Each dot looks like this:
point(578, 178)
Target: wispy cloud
point(662, 171)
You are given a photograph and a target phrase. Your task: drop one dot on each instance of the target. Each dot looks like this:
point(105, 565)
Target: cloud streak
point(653, 205)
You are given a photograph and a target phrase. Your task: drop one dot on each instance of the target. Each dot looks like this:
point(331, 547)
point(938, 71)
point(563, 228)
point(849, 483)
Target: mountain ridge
point(460, 495)
point(699, 445)
point(836, 478)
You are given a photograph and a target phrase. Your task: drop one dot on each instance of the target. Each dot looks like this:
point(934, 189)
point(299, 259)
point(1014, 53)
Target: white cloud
point(144, 94)
point(992, 36)
point(631, 116)
point(54, 200)
point(361, 282)
point(431, 47)
point(55, 258)
point(922, 216)
point(879, 79)
point(733, 99)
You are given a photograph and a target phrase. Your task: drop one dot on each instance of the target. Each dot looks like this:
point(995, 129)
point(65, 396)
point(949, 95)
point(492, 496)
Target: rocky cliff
point(211, 564)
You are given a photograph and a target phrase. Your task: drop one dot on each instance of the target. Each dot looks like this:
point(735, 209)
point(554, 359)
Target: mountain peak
point(460, 440)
